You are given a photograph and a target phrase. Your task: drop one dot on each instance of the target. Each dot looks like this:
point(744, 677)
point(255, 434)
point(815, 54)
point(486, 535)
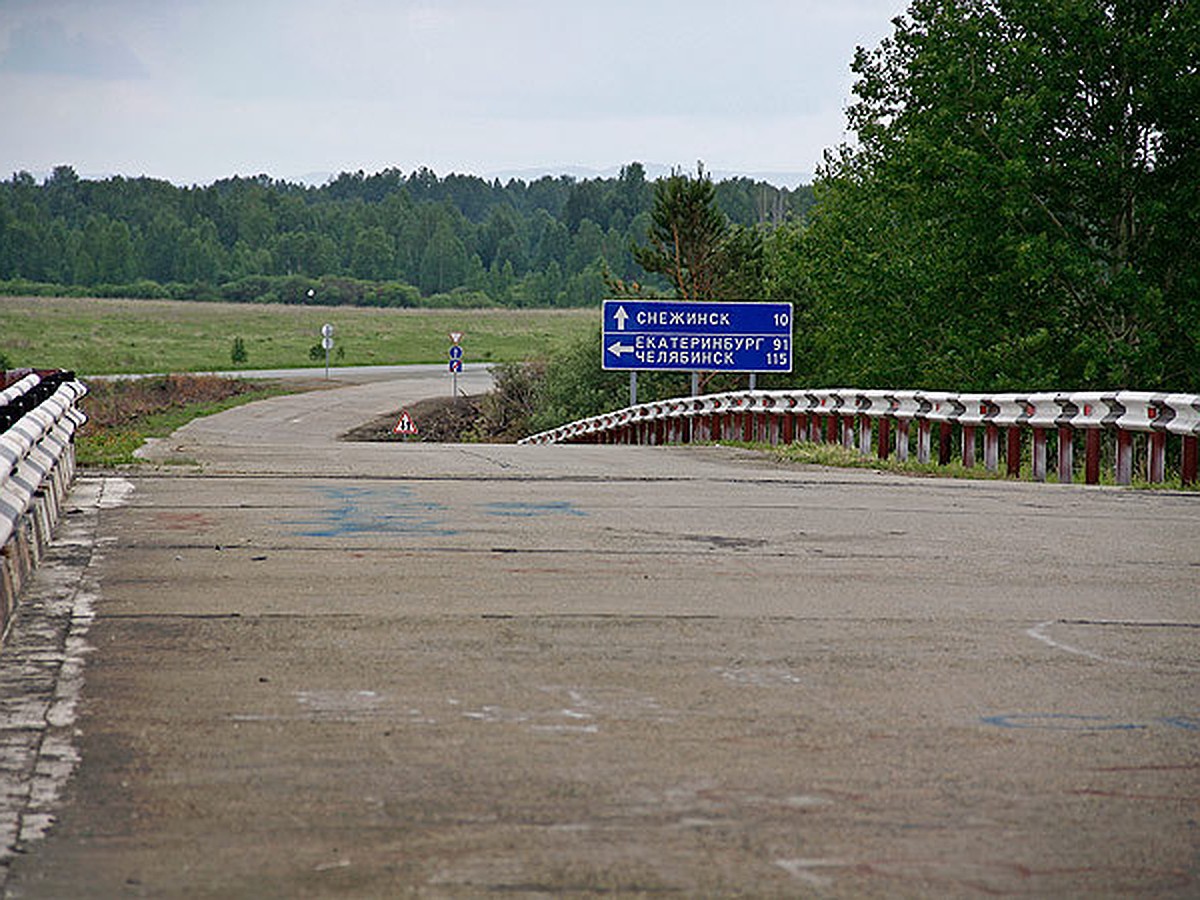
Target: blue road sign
point(456, 352)
point(456, 365)
point(690, 335)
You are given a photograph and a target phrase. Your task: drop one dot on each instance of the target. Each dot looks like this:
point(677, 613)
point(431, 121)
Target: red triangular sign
point(406, 425)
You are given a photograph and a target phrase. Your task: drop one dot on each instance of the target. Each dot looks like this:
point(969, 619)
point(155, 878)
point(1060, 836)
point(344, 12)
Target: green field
point(101, 337)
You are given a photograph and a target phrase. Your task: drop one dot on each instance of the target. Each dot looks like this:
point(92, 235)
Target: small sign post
point(456, 358)
point(327, 343)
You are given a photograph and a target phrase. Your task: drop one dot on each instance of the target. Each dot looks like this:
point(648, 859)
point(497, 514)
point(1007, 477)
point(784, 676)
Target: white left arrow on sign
point(618, 349)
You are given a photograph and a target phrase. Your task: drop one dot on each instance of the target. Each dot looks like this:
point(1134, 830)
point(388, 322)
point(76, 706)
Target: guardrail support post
point(848, 432)
point(944, 432)
point(924, 440)
point(1039, 454)
point(885, 437)
point(1156, 457)
point(831, 428)
point(991, 447)
point(1190, 456)
point(1013, 452)
point(968, 446)
point(864, 435)
point(1091, 464)
point(1066, 455)
point(1124, 467)
point(902, 440)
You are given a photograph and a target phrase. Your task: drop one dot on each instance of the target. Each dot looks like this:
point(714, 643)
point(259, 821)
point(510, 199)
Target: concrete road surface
point(291, 667)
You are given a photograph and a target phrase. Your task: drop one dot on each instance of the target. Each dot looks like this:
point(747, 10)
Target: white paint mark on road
point(1038, 633)
point(802, 870)
point(766, 677)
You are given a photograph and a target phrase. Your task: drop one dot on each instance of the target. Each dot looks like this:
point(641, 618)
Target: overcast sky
point(196, 90)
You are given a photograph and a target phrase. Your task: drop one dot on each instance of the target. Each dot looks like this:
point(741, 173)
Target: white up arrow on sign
point(621, 316)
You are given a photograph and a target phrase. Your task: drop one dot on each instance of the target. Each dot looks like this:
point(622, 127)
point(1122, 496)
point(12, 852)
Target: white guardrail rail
point(983, 427)
point(38, 420)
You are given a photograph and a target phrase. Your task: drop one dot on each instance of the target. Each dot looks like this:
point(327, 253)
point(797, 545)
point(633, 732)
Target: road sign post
point(697, 336)
point(456, 358)
point(326, 342)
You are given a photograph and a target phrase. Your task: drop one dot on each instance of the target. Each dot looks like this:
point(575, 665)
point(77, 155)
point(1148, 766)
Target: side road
point(297, 667)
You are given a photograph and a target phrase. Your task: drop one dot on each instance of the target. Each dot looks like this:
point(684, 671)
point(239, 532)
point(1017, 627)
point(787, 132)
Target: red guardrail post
point(944, 433)
point(1189, 457)
point(1012, 452)
point(1091, 465)
point(885, 437)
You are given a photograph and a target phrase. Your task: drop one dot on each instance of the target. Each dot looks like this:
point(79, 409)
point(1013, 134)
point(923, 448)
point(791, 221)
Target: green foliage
point(1022, 209)
point(238, 355)
point(692, 243)
point(505, 411)
point(376, 240)
point(574, 386)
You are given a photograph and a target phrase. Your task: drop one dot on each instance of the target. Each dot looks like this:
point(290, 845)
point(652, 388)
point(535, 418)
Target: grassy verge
point(837, 456)
point(101, 337)
point(122, 415)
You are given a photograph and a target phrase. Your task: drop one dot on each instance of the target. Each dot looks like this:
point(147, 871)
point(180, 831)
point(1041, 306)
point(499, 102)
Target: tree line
point(385, 239)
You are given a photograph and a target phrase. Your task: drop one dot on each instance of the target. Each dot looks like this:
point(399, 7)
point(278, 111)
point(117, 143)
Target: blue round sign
point(456, 352)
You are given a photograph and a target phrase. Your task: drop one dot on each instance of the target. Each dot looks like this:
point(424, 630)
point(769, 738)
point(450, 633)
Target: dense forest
point(386, 239)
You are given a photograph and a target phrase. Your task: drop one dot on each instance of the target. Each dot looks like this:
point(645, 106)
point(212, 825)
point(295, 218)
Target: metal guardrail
point(38, 420)
point(883, 422)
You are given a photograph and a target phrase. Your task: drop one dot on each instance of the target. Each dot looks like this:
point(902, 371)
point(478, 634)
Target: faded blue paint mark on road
point(1068, 722)
point(530, 510)
point(1187, 723)
point(394, 509)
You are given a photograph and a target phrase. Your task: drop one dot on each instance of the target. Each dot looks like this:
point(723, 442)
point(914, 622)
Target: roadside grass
point(104, 337)
point(837, 456)
point(123, 414)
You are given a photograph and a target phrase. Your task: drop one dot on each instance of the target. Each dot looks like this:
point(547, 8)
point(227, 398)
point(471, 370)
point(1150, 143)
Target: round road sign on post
point(327, 343)
point(456, 352)
point(327, 330)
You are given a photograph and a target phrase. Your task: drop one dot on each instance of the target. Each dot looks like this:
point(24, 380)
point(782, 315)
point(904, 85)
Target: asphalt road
point(290, 667)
